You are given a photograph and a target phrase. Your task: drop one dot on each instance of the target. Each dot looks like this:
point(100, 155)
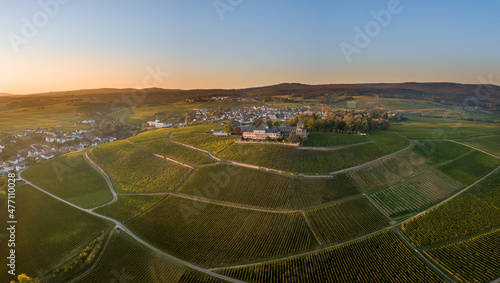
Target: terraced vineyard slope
point(333, 140)
point(475, 210)
point(473, 260)
point(292, 159)
point(379, 258)
point(344, 219)
point(71, 178)
point(415, 193)
point(178, 152)
point(388, 171)
point(39, 252)
point(211, 235)
point(134, 169)
point(126, 259)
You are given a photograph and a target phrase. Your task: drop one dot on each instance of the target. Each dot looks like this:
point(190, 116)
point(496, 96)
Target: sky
point(56, 45)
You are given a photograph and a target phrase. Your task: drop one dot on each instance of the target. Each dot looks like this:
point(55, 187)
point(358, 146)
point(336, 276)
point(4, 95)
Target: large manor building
point(262, 131)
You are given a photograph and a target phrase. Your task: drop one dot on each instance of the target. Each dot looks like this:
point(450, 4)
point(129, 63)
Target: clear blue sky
point(92, 44)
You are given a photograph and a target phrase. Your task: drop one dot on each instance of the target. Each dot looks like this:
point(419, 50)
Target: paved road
point(122, 227)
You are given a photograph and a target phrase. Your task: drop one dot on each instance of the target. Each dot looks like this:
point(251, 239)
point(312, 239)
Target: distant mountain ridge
point(430, 88)
point(446, 93)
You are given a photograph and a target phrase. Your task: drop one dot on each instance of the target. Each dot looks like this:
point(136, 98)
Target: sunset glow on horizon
point(52, 45)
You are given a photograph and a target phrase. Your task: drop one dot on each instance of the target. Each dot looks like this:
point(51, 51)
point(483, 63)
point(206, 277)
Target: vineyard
point(475, 210)
point(379, 258)
point(292, 159)
point(333, 140)
point(199, 136)
point(473, 260)
point(264, 189)
point(72, 179)
point(344, 219)
point(150, 135)
point(128, 206)
point(471, 167)
point(440, 151)
point(239, 185)
point(36, 249)
point(209, 235)
point(488, 144)
point(424, 128)
point(389, 141)
point(134, 169)
point(178, 152)
point(126, 260)
point(388, 170)
point(415, 193)
point(312, 191)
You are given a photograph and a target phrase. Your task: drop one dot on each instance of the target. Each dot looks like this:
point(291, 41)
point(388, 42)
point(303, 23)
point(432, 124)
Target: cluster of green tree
point(347, 121)
point(85, 257)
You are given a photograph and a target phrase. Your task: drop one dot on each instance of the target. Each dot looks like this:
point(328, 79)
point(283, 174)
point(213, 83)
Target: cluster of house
point(264, 112)
point(263, 131)
point(68, 142)
point(241, 115)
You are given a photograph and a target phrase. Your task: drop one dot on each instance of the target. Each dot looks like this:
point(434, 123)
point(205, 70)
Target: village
point(22, 149)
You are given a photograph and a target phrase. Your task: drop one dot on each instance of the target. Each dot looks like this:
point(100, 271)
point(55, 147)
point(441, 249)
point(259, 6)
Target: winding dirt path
point(490, 154)
point(103, 173)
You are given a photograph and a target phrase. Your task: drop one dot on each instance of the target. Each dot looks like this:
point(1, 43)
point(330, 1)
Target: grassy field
point(178, 152)
point(344, 219)
point(312, 191)
point(48, 231)
point(333, 140)
point(488, 144)
point(134, 169)
point(475, 210)
point(17, 119)
point(470, 167)
point(292, 159)
point(415, 193)
point(473, 260)
point(128, 206)
point(388, 171)
point(71, 178)
point(239, 185)
point(126, 260)
point(151, 135)
point(438, 128)
point(211, 235)
point(379, 258)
